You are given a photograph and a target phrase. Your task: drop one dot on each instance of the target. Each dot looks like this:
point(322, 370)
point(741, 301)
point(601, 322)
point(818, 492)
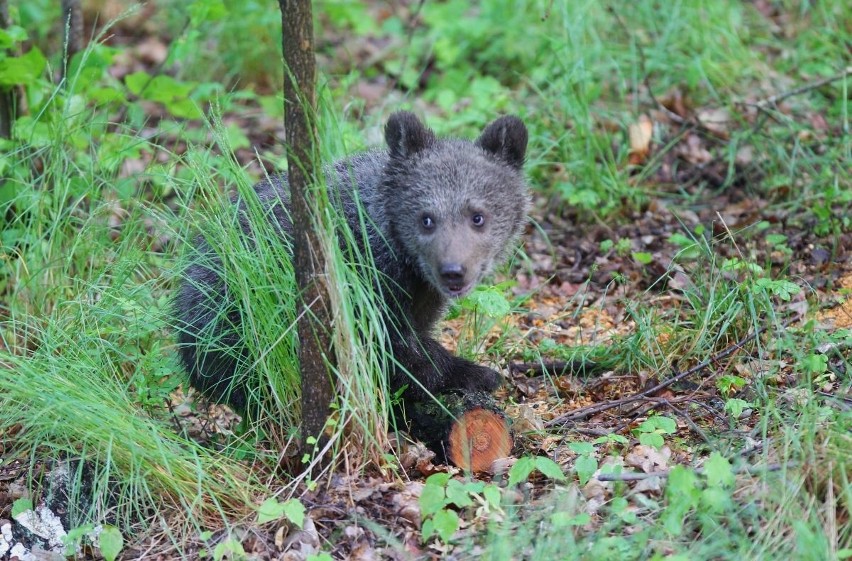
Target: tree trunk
point(314, 323)
point(467, 429)
point(7, 94)
point(72, 23)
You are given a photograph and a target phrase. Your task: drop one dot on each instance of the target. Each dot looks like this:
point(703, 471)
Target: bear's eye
point(478, 220)
point(427, 222)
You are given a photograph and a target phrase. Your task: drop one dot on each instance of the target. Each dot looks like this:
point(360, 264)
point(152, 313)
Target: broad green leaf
point(492, 495)
point(294, 510)
point(716, 499)
point(446, 523)
point(642, 257)
point(549, 468)
point(24, 69)
point(111, 542)
point(426, 530)
point(458, 494)
point(521, 470)
point(814, 363)
point(164, 89)
point(11, 36)
point(432, 499)
point(137, 81)
point(185, 108)
point(736, 406)
point(489, 302)
point(651, 439)
point(585, 466)
point(581, 447)
point(232, 547)
point(718, 471)
point(271, 509)
point(439, 479)
point(21, 505)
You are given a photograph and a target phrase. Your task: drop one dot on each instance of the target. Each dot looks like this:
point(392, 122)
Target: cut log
point(468, 430)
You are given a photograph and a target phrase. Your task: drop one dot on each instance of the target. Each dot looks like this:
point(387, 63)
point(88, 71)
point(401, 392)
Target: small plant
point(526, 465)
point(652, 430)
point(272, 509)
point(708, 493)
point(442, 492)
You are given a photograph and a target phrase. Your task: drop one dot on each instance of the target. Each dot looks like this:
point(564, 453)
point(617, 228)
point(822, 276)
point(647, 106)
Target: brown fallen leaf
point(640, 133)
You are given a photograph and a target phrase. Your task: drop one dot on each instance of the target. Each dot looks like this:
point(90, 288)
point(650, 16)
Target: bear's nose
point(452, 272)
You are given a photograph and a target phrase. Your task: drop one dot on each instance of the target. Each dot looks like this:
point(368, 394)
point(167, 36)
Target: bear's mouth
point(457, 289)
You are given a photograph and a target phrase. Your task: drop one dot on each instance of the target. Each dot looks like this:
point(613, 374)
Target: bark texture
point(7, 94)
point(314, 324)
point(468, 429)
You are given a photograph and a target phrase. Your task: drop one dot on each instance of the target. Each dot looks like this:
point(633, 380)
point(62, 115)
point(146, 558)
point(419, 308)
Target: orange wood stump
point(468, 430)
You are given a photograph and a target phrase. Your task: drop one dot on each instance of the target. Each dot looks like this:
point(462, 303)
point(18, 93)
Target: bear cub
point(441, 213)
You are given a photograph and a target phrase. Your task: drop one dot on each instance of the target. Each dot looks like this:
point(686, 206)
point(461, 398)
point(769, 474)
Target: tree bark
point(7, 94)
point(314, 323)
point(467, 429)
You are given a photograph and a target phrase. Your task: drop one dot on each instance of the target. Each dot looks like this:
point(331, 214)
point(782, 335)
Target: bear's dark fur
point(440, 214)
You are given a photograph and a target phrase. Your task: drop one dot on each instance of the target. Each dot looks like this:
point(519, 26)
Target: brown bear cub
point(440, 214)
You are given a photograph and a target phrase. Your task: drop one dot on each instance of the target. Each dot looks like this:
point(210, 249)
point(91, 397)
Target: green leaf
point(185, 108)
point(549, 468)
point(651, 439)
point(716, 499)
point(164, 89)
point(814, 364)
point(111, 542)
point(776, 239)
point(439, 479)
point(582, 448)
point(21, 505)
point(446, 523)
point(488, 301)
point(458, 494)
point(426, 530)
point(271, 509)
point(585, 466)
point(521, 470)
point(492, 495)
point(24, 70)
point(665, 424)
point(137, 81)
point(642, 257)
point(11, 36)
point(232, 547)
point(319, 557)
point(736, 406)
point(718, 471)
point(294, 510)
point(681, 240)
point(432, 499)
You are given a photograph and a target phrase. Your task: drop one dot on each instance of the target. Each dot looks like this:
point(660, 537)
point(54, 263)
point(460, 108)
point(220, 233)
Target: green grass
point(91, 253)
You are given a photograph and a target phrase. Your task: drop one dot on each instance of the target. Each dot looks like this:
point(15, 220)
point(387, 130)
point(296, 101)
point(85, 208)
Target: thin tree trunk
point(7, 94)
point(315, 344)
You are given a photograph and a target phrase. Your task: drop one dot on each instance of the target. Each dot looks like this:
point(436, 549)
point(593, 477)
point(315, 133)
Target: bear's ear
point(406, 135)
point(506, 138)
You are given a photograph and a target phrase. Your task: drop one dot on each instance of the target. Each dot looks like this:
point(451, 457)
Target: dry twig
point(584, 412)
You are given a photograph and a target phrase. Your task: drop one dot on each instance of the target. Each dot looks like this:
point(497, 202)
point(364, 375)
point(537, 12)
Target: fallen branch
point(581, 367)
point(590, 410)
point(638, 475)
point(774, 99)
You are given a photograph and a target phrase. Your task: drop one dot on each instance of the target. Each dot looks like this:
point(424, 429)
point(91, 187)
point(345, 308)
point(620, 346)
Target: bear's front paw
point(477, 378)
